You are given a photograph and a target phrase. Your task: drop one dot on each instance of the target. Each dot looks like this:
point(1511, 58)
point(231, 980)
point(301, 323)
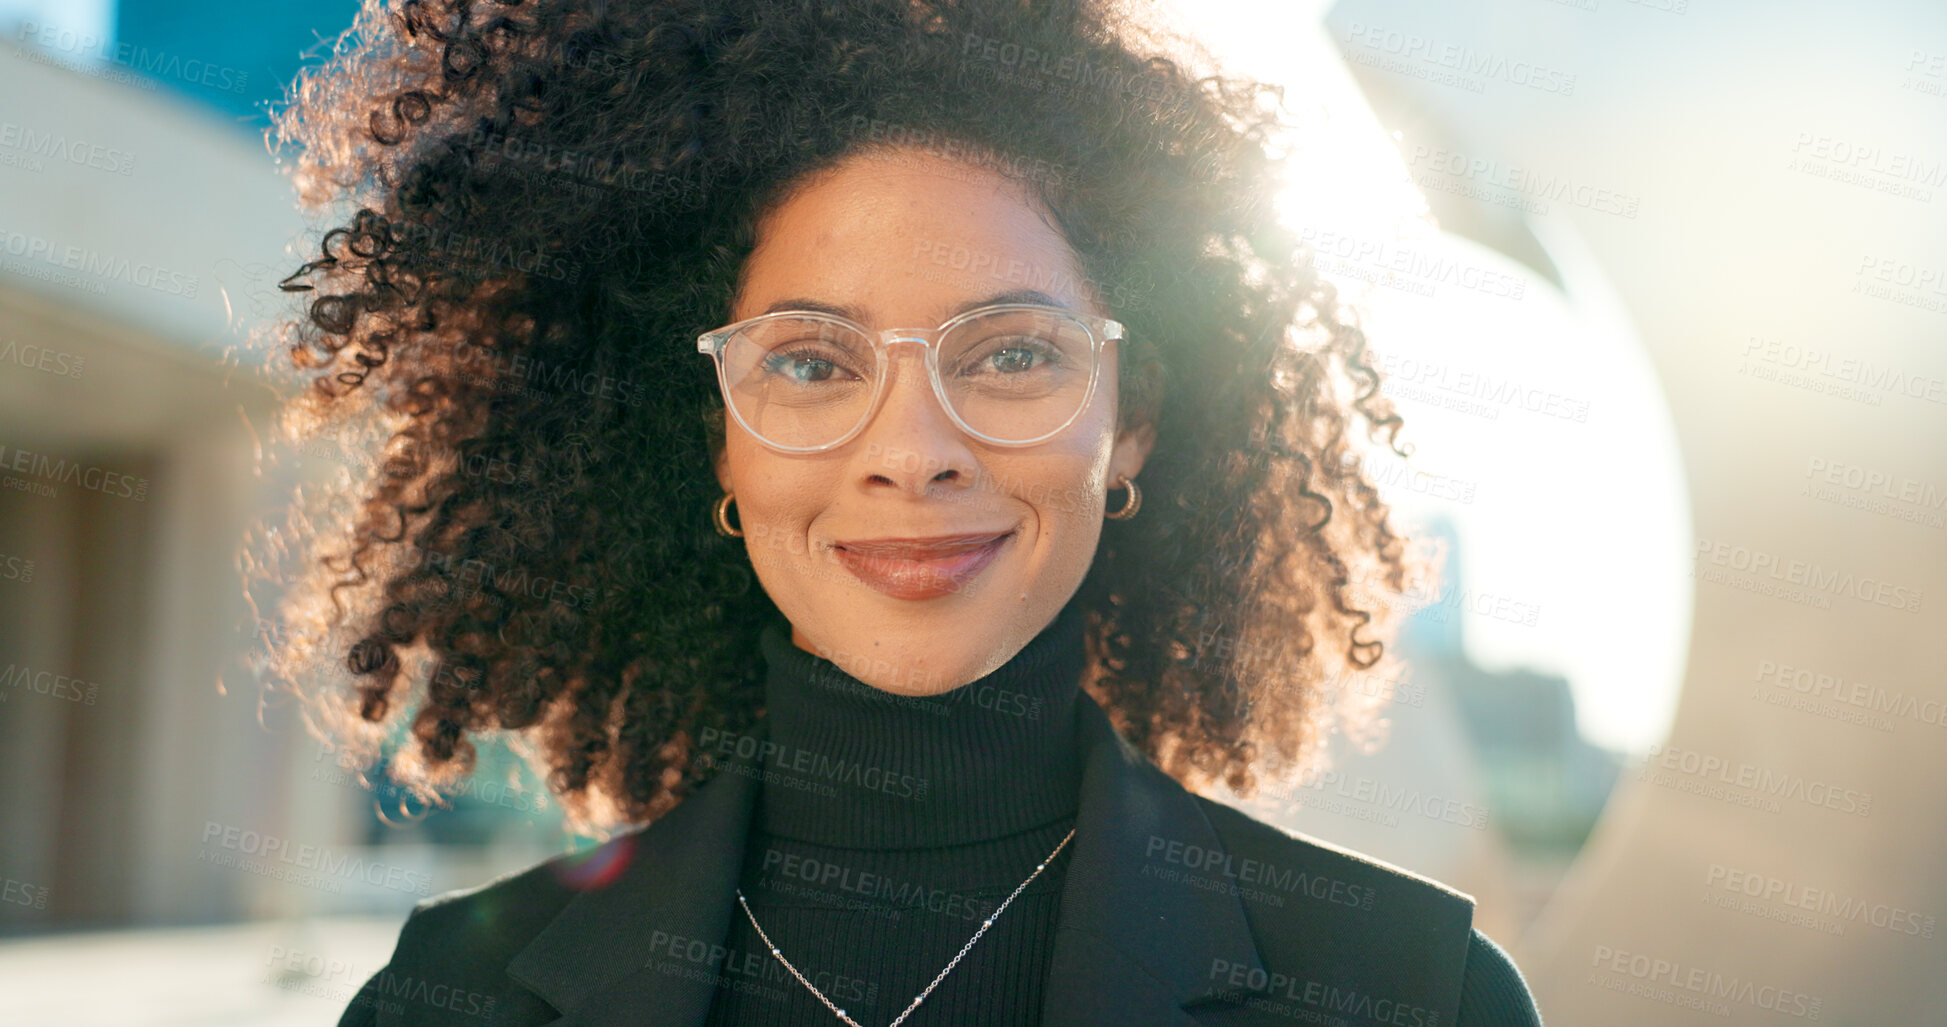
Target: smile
point(920, 568)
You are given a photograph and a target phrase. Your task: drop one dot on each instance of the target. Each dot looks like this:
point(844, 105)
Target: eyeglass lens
point(1012, 376)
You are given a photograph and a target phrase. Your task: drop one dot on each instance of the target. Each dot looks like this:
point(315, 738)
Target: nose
point(911, 443)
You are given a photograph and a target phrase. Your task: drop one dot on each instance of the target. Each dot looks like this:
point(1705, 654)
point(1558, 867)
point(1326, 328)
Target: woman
point(892, 303)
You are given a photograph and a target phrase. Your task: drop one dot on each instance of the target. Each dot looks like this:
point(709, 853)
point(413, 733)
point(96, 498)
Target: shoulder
point(451, 956)
point(491, 921)
point(1494, 994)
point(1294, 862)
point(1305, 896)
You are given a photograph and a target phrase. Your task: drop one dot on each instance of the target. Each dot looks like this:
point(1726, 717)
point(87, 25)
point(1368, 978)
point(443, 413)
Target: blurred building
point(1545, 781)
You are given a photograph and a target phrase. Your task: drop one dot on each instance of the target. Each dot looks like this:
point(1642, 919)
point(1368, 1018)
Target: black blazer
point(1176, 910)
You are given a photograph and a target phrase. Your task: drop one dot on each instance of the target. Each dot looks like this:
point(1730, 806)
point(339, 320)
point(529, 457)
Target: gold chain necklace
point(921, 997)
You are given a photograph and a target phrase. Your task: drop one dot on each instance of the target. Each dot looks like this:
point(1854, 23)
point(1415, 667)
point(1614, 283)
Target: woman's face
point(907, 241)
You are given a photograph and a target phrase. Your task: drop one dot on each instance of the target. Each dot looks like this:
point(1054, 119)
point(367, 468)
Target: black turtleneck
point(889, 826)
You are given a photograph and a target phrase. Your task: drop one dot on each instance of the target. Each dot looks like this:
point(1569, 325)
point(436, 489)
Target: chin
point(925, 655)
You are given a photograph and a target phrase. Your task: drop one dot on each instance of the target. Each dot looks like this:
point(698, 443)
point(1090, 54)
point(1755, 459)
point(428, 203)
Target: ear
point(1136, 424)
point(1132, 448)
point(720, 462)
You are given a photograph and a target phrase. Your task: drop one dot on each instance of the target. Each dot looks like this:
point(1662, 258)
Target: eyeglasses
point(1012, 374)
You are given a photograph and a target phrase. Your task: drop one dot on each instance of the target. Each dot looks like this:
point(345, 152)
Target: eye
point(1016, 358)
point(803, 364)
point(1012, 355)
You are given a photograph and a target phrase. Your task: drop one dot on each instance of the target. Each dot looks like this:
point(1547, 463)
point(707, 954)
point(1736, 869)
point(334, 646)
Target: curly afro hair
point(539, 205)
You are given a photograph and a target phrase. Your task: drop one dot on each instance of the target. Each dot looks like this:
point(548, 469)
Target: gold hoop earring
point(1134, 502)
point(723, 518)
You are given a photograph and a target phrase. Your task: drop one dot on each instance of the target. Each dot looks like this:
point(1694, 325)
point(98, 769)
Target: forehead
point(908, 237)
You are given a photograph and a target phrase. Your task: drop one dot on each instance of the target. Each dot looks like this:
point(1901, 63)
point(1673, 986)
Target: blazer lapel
point(639, 951)
point(643, 949)
point(1128, 944)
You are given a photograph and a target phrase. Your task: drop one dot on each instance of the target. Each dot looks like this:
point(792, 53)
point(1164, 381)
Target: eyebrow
point(1035, 296)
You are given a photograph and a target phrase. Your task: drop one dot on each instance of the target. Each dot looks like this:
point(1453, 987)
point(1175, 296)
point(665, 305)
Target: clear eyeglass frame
point(1101, 330)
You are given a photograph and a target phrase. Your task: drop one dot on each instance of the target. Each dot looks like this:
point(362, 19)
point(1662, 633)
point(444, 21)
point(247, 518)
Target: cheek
point(772, 505)
point(1076, 534)
point(777, 544)
point(1066, 496)
point(1075, 503)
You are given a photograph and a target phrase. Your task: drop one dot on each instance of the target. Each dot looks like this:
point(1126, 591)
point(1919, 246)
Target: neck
point(859, 767)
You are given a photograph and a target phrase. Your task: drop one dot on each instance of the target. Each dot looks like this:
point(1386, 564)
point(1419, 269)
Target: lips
point(920, 568)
